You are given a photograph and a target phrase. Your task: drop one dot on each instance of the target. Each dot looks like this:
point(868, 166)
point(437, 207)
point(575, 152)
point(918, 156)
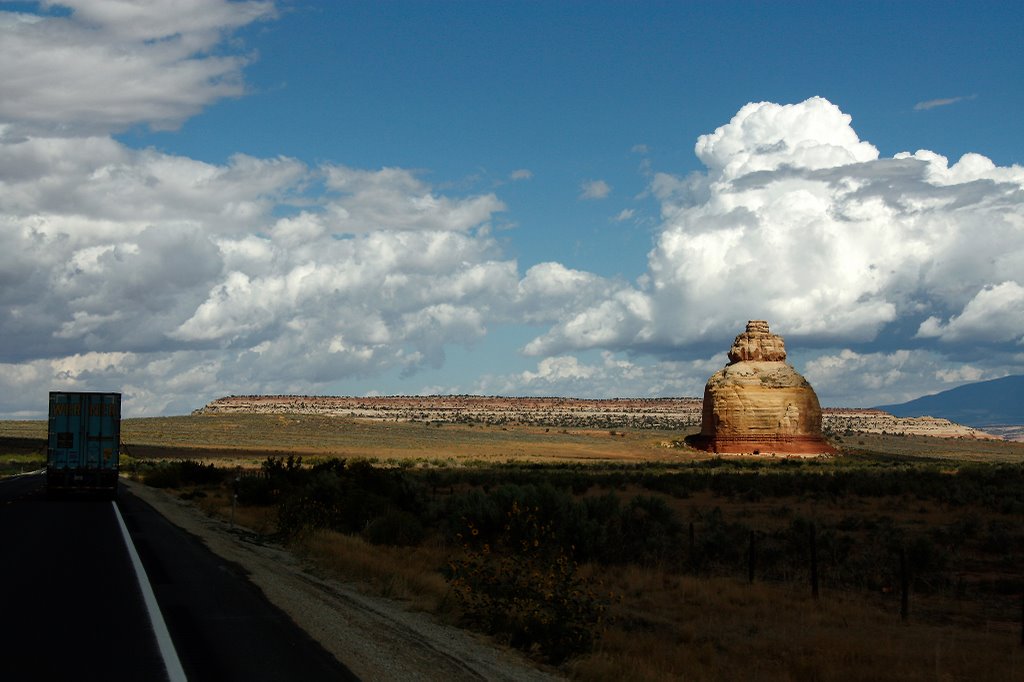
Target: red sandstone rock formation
point(759, 404)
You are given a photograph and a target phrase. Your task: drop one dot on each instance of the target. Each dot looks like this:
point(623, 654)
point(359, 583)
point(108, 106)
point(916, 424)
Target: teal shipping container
point(83, 452)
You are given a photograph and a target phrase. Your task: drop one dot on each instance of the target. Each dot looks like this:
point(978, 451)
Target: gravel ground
point(376, 638)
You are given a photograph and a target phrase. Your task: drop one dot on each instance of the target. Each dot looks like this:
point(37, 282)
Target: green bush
point(349, 497)
point(579, 513)
point(645, 531)
point(275, 478)
point(651, 534)
point(182, 473)
point(525, 587)
point(163, 475)
point(395, 527)
point(312, 506)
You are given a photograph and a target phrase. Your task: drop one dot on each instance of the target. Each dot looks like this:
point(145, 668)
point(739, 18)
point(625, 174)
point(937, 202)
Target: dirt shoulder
point(376, 638)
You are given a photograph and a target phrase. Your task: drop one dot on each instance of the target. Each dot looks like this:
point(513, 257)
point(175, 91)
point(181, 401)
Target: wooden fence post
point(751, 559)
point(693, 551)
point(904, 586)
point(814, 561)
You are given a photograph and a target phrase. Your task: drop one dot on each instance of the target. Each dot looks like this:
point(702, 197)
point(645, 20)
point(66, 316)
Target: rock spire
point(759, 404)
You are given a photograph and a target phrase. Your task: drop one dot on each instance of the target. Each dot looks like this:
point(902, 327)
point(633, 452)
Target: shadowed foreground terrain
point(615, 551)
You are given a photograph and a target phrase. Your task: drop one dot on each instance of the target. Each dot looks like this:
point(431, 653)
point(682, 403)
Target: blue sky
point(208, 197)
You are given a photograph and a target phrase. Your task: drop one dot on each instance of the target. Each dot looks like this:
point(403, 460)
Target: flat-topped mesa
point(759, 404)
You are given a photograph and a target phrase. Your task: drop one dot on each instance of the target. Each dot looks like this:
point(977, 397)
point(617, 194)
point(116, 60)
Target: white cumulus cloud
point(395, 199)
point(595, 189)
point(798, 221)
point(850, 379)
point(179, 281)
point(996, 313)
point(609, 376)
point(175, 280)
point(110, 64)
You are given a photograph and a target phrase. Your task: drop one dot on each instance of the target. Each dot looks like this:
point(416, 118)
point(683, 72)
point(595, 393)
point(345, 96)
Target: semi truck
point(84, 437)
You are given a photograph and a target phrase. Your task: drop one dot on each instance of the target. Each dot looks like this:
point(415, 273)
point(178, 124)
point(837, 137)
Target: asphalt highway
point(71, 606)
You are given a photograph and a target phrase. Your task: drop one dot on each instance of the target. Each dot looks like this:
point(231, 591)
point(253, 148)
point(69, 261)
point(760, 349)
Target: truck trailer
point(84, 440)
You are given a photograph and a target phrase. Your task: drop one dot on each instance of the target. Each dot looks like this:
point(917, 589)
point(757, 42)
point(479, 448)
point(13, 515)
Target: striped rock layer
point(759, 404)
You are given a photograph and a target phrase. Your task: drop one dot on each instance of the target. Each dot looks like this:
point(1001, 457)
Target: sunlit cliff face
point(758, 403)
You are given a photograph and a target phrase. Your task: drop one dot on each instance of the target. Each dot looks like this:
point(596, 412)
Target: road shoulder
point(375, 637)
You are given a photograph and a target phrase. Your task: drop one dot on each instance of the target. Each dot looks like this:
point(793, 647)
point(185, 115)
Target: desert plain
point(672, 563)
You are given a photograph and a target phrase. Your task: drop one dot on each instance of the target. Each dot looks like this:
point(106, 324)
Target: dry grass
point(244, 439)
point(23, 428)
point(930, 447)
point(667, 626)
point(670, 627)
point(313, 435)
point(235, 435)
point(411, 575)
point(217, 502)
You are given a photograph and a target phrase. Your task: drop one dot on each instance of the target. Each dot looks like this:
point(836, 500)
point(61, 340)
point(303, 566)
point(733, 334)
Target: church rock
point(759, 404)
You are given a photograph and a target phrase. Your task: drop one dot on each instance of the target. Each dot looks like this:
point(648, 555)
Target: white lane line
point(175, 673)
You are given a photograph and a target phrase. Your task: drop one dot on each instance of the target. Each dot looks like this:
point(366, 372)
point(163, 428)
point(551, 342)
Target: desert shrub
point(1000, 487)
point(197, 473)
point(926, 562)
point(645, 531)
point(395, 527)
point(717, 543)
point(998, 537)
point(162, 475)
point(182, 473)
point(256, 491)
point(487, 509)
point(524, 587)
point(679, 485)
point(651, 533)
point(957, 534)
point(598, 536)
point(285, 473)
point(347, 497)
point(276, 477)
point(307, 508)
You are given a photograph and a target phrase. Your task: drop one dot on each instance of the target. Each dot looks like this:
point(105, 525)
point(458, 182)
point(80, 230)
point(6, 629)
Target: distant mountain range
point(986, 403)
